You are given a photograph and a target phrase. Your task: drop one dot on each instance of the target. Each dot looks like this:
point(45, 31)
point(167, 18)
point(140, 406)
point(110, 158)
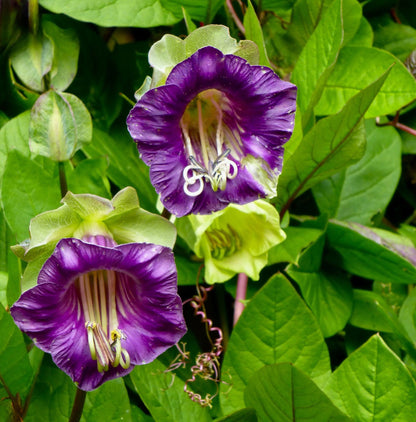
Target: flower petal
point(146, 289)
point(154, 123)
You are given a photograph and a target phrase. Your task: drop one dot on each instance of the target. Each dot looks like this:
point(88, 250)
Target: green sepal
point(83, 215)
point(166, 53)
point(130, 223)
point(241, 248)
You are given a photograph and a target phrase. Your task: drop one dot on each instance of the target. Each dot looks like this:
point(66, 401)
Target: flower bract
point(100, 308)
point(214, 133)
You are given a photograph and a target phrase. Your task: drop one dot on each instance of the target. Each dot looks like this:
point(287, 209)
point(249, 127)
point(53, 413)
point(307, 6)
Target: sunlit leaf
point(331, 145)
point(276, 326)
point(348, 78)
point(283, 393)
point(370, 384)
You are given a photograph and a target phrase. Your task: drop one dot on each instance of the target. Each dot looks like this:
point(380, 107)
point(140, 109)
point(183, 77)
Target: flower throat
point(97, 292)
point(209, 142)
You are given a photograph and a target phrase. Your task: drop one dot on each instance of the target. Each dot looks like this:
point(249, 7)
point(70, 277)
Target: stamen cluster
point(97, 291)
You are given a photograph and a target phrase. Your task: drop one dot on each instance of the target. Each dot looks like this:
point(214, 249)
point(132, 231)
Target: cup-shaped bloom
point(234, 240)
point(214, 133)
point(101, 308)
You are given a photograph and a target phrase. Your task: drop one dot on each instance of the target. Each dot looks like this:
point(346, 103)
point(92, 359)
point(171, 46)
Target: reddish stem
point(235, 16)
point(239, 306)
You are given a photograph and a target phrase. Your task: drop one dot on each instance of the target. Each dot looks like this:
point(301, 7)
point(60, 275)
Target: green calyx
point(227, 241)
point(83, 215)
point(166, 53)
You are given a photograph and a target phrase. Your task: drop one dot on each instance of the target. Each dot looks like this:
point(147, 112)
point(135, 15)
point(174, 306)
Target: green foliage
point(365, 188)
point(165, 401)
point(369, 385)
point(140, 14)
point(299, 397)
point(331, 145)
point(275, 327)
point(399, 90)
point(328, 331)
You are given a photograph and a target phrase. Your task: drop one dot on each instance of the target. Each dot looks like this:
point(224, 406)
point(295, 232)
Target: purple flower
point(100, 309)
point(214, 133)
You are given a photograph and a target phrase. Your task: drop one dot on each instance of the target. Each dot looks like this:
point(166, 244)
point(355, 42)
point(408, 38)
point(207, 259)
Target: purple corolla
point(101, 308)
point(214, 133)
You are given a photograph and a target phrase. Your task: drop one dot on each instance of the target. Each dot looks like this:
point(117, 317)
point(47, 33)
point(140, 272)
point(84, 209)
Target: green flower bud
point(234, 240)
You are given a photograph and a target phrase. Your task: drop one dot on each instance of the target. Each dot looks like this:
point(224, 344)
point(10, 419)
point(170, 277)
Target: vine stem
point(239, 306)
point(62, 179)
point(395, 123)
point(78, 406)
point(235, 16)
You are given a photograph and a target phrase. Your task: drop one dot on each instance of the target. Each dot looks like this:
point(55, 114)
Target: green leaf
point(305, 18)
point(27, 191)
point(9, 266)
point(371, 312)
point(98, 82)
point(397, 38)
point(329, 295)
point(125, 166)
point(297, 239)
point(255, 33)
point(187, 271)
point(364, 189)
point(65, 53)
point(280, 7)
point(347, 79)
point(60, 125)
point(144, 14)
point(364, 252)
point(89, 176)
point(407, 315)
point(52, 396)
point(164, 401)
point(3, 288)
point(370, 384)
point(190, 26)
point(31, 59)
point(276, 326)
point(243, 415)
point(110, 402)
point(331, 145)
point(364, 35)
point(317, 59)
point(299, 398)
point(138, 415)
point(14, 135)
point(15, 370)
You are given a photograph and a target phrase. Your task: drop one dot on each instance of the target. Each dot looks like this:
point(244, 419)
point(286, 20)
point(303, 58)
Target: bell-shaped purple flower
point(101, 308)
point(214, 133)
